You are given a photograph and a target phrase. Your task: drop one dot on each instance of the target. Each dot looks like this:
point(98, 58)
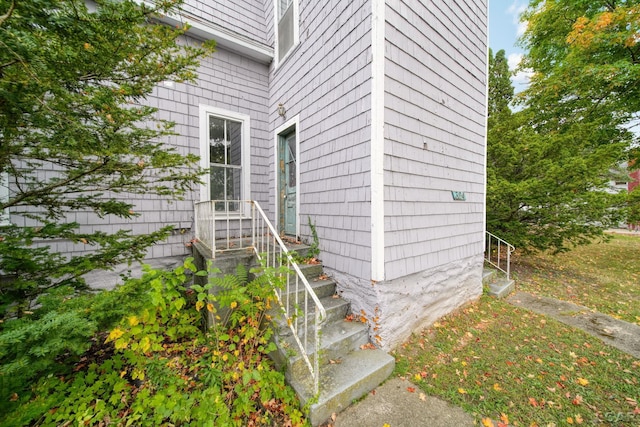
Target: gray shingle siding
point(247, 18)
point(326, 82)
point(434, 134)
point(228, 81)
point(434, 128)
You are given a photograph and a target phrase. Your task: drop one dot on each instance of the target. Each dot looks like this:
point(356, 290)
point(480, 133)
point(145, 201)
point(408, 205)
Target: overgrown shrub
point(159, 366)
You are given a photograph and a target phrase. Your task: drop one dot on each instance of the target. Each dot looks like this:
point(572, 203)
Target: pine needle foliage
point(78, 139)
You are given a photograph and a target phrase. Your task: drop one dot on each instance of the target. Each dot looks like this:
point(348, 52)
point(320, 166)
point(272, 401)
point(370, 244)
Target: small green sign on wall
point(459, 195)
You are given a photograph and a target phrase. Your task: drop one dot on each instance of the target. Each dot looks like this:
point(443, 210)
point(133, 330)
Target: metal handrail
point(495, 252)
point(261, 237)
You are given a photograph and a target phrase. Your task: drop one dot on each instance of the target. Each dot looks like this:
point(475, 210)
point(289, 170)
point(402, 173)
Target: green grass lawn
point(601, 276)
point(510, 366)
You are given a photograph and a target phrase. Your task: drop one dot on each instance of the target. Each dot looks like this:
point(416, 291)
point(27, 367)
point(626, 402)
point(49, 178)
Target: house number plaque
point(459, 195)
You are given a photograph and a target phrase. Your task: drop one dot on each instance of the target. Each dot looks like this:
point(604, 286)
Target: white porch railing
point(497, 252)
point(231, 225)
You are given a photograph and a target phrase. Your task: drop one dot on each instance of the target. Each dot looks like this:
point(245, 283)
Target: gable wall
point(326, 82)
point(434, 133)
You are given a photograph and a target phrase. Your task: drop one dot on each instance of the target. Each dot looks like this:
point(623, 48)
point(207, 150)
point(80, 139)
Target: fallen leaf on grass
point(582, 381)
point(504, 418)
point(411, 389)
point(486, 422)
point(462, 391)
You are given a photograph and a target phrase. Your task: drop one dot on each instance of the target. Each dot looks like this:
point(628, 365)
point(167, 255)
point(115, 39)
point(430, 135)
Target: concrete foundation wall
point(396, 308)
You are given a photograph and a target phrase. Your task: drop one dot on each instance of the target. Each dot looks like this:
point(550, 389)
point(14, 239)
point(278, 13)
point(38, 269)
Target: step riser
point(336, 312)
point(324, 288)
point(332, 354)
point(331, 351)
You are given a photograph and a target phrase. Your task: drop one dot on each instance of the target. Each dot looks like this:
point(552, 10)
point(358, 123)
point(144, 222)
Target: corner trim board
point(377, 139)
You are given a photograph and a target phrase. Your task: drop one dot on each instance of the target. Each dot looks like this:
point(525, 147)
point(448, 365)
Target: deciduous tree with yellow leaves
point(549, 162)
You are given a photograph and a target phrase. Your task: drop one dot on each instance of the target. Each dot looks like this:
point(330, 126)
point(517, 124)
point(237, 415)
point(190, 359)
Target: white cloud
point(514, 60)
point(521, 78)
point(515, 10)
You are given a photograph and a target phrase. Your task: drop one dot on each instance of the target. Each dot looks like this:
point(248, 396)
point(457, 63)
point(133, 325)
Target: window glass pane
point(216, 140)
point(282, 7)
point(225, 163)
point(217, 182)
point(234, 182)
point(234, 136)
point(291, 146)
point(285, 32)
point(216, 129)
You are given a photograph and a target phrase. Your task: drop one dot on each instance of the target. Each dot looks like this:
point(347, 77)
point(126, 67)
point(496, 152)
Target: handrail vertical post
point(212, 217)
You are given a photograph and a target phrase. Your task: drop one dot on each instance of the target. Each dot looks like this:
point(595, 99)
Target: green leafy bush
point(160, 366)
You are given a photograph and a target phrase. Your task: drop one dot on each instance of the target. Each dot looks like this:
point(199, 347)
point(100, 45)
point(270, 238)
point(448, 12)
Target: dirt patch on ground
point(623, 335)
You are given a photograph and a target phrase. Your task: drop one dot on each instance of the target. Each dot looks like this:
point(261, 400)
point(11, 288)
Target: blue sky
point(504, 29)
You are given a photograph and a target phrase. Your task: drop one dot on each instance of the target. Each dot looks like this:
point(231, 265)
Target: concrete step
point(336, 339)
point(502, 287)
point(335, 308)
point(357, 374)
point(496, 282)
point(322, 288)
point(310, 271)
point(488, 275)
point(346, 371)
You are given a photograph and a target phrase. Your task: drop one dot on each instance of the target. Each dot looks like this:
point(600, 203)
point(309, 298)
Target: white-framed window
point(287, 27)
point(224, 152)
point(4, 196)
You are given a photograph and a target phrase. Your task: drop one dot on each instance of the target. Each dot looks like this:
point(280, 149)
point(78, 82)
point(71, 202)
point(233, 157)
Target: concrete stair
point(499, 286)
point(347, 371)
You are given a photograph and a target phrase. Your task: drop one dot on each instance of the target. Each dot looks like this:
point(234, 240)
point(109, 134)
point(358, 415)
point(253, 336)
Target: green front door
point(288, 185)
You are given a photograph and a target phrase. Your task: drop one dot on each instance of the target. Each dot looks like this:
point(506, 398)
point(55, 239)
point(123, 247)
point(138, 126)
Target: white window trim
point(205, 112)
point(296, 32)
point(292, 122)
point(4, 196)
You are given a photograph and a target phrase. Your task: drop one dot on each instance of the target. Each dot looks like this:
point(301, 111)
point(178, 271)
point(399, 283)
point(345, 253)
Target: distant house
point(366, 117)
point(634, 176)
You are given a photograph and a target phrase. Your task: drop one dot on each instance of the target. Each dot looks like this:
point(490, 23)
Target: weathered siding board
point(239, 16)
point(269, 36)
point(434, 134)
point(326, 82)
